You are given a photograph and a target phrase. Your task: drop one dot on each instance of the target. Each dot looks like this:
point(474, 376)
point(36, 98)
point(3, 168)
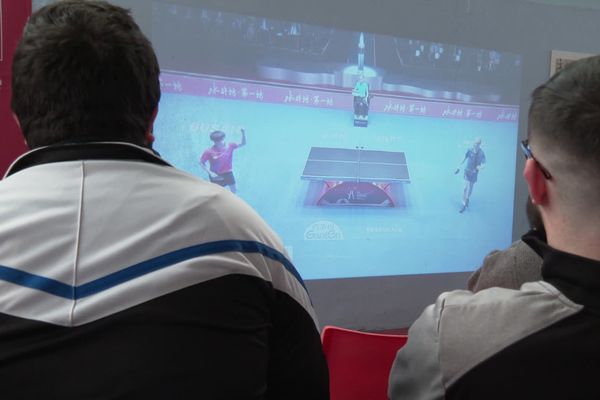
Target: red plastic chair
point(359, 362)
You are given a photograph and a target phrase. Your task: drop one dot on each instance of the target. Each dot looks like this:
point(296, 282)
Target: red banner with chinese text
point(277, 93)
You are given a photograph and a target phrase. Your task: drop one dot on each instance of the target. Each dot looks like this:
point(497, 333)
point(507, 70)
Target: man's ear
point(150, 132)
point(536, 182)
point(19, 125)
point(149, 138)
point(16, 119)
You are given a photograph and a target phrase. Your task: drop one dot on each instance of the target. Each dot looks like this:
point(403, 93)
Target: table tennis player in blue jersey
point(475, 158)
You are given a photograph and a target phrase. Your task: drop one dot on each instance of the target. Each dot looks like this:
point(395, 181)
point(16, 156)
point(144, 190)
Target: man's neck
point(580, 240)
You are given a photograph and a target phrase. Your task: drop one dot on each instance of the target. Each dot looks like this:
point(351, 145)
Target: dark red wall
point(14, 14)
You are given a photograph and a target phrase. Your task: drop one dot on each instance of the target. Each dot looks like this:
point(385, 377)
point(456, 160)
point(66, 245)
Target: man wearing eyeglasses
point(540, 341)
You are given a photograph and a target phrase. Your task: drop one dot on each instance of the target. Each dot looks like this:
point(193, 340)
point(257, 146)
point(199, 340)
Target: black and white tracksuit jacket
point(123, 277)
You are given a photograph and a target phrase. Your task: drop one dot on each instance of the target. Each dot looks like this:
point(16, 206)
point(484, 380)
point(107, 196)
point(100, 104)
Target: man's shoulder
point(472, 327)
point(531, 296)
point(497, 297)
point(455, 311)
point(201, 203)
point(512, 257)
point(508, 268)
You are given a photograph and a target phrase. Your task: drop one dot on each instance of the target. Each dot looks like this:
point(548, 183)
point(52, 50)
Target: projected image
point(370, 155)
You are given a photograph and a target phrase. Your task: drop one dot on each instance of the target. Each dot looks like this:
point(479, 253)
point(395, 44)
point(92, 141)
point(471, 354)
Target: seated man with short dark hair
point(121, 276)
point(541, 341)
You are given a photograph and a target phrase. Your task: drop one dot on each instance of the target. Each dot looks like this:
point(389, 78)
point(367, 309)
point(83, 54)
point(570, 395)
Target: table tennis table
point(355, 176)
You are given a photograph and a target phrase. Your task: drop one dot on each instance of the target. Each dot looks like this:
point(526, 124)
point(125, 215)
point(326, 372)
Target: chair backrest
point(359, 362)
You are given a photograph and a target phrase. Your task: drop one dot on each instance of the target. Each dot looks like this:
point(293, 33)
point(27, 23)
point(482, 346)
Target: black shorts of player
point(225, 179)
point(471, 175)
point(360, 105)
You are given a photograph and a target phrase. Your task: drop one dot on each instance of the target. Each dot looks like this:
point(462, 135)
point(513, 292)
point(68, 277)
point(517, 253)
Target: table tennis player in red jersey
point(220, 158)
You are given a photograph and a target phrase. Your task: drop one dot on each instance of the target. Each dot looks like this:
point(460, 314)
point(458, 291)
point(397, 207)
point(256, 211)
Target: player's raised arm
point(243, 142)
